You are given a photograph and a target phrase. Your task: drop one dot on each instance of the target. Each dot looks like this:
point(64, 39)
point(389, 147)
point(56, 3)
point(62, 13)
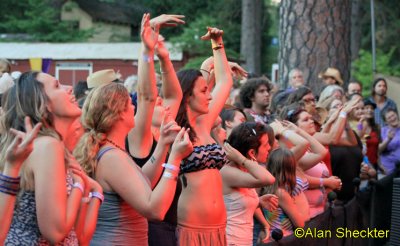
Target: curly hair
point(101, 110)
point(250, 87)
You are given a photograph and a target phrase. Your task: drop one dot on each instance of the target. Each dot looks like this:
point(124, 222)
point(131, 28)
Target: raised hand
point(233, 154)
point(269, 201)
point(149, 35)
point(160, 49)
point(278, 127)
point(333, 116)
point(182, 145)
point(213, 33)
point(290, 126)
point(169, 129)
point(349, 106)
point(22, 145)
point(166, 20)
point(237, 70)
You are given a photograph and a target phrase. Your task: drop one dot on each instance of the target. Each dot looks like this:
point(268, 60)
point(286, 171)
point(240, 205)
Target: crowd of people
point(208, 156)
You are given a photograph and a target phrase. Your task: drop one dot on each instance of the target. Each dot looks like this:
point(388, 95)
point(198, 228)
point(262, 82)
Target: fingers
point(179, 137)
point(16, 142)
point(28, 124)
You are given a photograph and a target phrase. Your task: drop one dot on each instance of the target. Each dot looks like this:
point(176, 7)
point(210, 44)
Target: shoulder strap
point(102, 152)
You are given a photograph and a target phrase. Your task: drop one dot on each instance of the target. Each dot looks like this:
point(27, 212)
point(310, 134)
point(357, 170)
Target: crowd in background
point(208, 156)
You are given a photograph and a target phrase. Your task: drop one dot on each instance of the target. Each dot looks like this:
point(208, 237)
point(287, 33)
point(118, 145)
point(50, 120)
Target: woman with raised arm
point(16, 154)
point(128, 197)
point(201, 209)
point(52, 186)
point(247, 147)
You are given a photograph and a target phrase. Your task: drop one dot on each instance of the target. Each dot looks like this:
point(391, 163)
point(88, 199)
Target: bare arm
point(56, 212)
point(223, 80)
point(289, 206)
point(171, 89)
point(128, 181)
point(140, 137)
point(16, 154)
point(256, 175)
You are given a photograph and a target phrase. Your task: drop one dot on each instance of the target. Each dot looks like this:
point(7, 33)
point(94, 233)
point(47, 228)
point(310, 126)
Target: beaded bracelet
point(97, 195)
point(9, 185)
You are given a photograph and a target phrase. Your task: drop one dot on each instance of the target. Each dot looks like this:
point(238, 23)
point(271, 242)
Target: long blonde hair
point(101, 110)
point(26, 98)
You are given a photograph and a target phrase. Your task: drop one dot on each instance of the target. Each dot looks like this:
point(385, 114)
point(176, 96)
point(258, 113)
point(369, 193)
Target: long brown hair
point(100, 112)
point(282, 165)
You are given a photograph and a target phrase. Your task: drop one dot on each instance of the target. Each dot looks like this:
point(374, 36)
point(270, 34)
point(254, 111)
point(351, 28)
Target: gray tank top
point(118, 223)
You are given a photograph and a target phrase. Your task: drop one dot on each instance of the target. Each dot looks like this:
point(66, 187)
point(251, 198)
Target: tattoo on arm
point(152, 159)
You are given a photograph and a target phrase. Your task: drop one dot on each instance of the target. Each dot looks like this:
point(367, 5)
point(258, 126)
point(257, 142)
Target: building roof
point(78, 51)
point(113, 11)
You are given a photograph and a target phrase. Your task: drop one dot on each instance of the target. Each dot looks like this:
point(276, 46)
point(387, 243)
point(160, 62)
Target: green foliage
point(38, 19)
point(190, 41)
point(362, 67)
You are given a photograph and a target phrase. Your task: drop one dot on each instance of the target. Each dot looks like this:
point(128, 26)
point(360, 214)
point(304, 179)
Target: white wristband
point(79, 186)
point(169, 175)
point(286, 133)
point(170, 167)
point(97, 195)
point(343, 115)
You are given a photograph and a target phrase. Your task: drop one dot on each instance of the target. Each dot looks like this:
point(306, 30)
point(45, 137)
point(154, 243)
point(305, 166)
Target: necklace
point(116, 145)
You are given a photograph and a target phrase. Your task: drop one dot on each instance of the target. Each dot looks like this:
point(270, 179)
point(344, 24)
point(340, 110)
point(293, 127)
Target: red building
point(72, 62)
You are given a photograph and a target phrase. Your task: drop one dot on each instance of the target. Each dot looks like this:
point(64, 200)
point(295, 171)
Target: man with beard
point(379, 89)
point(255, 98)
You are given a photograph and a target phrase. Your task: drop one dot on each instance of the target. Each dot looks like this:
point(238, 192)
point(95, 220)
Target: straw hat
point(332, 72)
point(101, 77)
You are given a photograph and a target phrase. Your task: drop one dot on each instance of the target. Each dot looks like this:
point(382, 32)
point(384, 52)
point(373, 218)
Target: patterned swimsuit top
point(210, 156)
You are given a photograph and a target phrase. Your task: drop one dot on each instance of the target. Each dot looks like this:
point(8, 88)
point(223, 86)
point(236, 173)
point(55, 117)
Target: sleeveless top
point(210, 156)
point(240, 206)
point(118, 223)
point(278, 219)
point(24, 228)
point(317, 197)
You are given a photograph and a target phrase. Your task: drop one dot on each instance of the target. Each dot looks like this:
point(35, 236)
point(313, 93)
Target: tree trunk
point(250, 42)
point(314, 35)
point(355, 29)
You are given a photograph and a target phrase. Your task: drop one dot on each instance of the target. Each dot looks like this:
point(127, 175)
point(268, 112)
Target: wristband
point(97, 195)
point(79, 186)
point(147, 58)
point(169, 175)
point(343, 115)
point(215, 45)
point(9, 185)
point(321, 182)
point(286, 133)
point(170, 167)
